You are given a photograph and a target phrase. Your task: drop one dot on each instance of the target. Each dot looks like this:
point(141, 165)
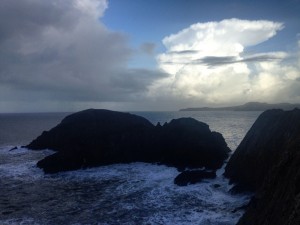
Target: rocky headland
point(268, 162)
point(97, 137)
point(249, 106)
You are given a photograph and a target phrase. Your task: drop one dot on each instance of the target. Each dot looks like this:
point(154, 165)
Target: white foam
point(21, 221)
point(162, 192)
point(21, 163)
point(138, 186)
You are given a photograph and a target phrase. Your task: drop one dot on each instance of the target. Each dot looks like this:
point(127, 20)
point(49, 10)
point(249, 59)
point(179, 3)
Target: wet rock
point(14, 148)
point(101, 137)
point(217, 185)
point(193, 177)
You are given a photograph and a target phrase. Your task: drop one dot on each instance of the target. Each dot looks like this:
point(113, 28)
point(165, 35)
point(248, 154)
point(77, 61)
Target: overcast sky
point(67, 55)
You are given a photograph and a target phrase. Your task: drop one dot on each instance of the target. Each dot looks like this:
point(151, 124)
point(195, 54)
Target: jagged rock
point(268, 162)
point(277, 202)
point(193, 177)
point(100, 137)
point(13, 148)
point(262, 148)
point(186, 142)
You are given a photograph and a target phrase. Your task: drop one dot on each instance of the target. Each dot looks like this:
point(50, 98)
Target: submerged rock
point(193, 177)
point(268, 162)
point(100, 137)
point(13, 148)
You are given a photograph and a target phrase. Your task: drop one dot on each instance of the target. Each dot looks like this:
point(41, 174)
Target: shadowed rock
point(100, 137)
point(268, 162)
point(277, 202)
point(262, 148)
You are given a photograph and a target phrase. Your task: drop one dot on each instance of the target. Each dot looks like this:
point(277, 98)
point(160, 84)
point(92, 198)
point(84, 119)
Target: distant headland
point(250, 106)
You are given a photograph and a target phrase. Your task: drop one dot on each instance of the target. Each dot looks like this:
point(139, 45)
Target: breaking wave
point(136, 193)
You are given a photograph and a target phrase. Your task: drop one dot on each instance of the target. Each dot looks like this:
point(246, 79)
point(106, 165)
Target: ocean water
point(136, 193)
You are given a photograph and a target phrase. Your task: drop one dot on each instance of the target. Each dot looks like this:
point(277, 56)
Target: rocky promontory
point(98, 137)
point(249, 106)
point(268, 162)
point(262, 148)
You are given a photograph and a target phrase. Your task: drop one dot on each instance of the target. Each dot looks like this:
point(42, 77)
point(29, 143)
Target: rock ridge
point(268, 162)
point(96, 137)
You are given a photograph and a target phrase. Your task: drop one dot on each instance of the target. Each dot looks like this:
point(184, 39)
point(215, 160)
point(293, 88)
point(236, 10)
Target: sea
point(135, 193)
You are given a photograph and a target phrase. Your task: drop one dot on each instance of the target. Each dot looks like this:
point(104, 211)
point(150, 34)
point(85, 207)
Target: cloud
point(59, 51)
point(227, 37)
point(209, 64)
point(222, 60)
point(58, 55)
point(216, 61)
point(148, 48)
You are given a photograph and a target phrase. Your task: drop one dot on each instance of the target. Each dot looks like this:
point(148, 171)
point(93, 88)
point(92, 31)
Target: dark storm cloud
point(183, 52)
point(30, 17)
point(136, 79)
point(148, 48)
point(217, 61)
point(58, 50)
point(212, 61)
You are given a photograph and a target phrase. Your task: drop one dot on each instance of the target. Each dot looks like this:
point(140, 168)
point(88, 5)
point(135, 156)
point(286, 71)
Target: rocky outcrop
point(186, 142)
point(262, 148)
point(277, 202)
point(193, 177)
point(100, 137)
point(268, 162)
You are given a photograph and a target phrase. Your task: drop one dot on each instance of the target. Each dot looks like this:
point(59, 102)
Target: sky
point(158, 55)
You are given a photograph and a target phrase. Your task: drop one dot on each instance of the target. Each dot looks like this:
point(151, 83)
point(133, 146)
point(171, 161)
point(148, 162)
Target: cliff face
point(100, 137)
point(268, 161)
point(277, 202)
point(262, 148)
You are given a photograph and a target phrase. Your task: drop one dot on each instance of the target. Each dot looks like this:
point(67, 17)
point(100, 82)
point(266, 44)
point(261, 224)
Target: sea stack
point(98, 137)
point(268, 162)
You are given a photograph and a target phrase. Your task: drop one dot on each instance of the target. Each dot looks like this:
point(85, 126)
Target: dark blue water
point(136, 193)
point(21, 128)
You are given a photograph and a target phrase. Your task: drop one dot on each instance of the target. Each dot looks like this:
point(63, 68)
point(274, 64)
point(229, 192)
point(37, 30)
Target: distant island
point(250, 106)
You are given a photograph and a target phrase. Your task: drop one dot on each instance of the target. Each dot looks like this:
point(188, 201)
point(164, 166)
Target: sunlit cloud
point(208, 63)
point(59, 55)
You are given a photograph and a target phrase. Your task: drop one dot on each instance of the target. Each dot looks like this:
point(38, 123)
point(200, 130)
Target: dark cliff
point(277, 202)
point(262, 147)
point(100, 137)
point(268, 162)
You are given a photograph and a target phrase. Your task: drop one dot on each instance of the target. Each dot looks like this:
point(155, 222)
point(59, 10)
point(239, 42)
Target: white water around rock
point(136, 193)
